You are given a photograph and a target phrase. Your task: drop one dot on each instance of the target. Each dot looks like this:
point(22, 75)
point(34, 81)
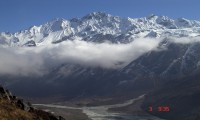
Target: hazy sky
point(17, 15)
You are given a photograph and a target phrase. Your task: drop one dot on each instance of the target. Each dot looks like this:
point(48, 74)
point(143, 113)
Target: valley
point(97, 112)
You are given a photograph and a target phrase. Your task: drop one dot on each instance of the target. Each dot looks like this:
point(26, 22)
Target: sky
point(16, 15)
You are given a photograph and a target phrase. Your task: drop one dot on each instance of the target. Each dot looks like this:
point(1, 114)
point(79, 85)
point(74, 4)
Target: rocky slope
point(13, 108)
point(180, 95)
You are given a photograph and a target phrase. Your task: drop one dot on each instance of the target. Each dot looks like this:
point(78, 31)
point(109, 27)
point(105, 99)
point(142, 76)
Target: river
point(102, 113)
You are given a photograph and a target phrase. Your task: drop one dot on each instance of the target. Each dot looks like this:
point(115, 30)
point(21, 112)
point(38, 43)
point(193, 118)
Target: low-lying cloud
point(39, 60)
point(185, 40)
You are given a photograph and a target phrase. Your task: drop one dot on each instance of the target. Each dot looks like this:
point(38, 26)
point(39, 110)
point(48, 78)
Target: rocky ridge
point(12, 107)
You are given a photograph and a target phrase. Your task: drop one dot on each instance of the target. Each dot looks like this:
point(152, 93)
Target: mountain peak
point(99, 14)
point(57, 20)
point(151, 16)
point(56, 24)
point(96, 15)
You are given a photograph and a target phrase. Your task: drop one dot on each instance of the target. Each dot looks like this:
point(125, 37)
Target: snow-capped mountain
point(174, 65)
point(100, 27)
point(173, 60)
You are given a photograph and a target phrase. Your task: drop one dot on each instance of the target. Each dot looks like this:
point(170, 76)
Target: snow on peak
point(100, 26)
point(97, 15)
point(55, 25)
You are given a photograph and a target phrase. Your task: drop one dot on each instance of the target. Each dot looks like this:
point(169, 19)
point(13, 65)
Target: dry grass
point(9, 111)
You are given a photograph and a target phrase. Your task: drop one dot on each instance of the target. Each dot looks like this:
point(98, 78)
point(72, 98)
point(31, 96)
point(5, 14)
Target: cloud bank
point(39, 60)
point(185, 40)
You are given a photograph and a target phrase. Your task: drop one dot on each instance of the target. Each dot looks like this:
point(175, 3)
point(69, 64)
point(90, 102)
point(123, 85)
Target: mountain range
point(100, 27)
point(170, 64)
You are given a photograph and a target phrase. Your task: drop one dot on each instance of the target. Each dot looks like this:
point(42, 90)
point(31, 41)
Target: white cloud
point(38, 60)
point(185, 40)
point(16, 63)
